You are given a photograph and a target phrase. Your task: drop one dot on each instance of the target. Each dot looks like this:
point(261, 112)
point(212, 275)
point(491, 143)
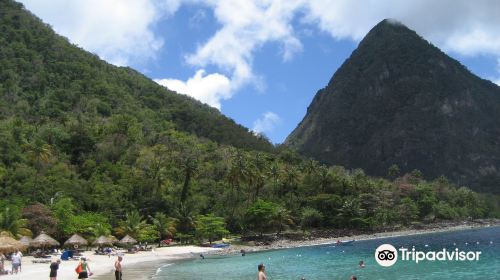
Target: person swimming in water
point(361, 264)
point(202, 256)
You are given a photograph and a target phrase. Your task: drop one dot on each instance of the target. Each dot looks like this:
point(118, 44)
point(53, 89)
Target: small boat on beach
point(344, 243)
point(221, 245)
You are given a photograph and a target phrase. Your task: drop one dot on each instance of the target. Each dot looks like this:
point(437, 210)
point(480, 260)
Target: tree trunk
point(185, 187)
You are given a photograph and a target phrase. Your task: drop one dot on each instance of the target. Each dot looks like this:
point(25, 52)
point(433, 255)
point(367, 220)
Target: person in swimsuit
point(262, 272)
point(118, 268)
point(54, 266)
point(85, 269)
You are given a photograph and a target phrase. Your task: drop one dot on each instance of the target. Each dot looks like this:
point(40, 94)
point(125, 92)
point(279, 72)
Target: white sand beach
point(144, 263)
point(102, 265)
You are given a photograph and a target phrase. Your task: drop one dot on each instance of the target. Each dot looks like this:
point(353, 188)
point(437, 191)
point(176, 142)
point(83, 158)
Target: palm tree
point(189, 164)
point(310, 167)
point(10, 221)
point(290, 181)
point(324, 177)
point(185, 217)
point(282, 218)
point(132, 224)
point(238, 174)
point(38, 152)
point(154, 162)
point(274, 173)
point(164, 225)
point(350, 209)
point(257, 175)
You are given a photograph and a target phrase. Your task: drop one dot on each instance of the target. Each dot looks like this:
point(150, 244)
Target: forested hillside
point(43, 77)
point(89, 148)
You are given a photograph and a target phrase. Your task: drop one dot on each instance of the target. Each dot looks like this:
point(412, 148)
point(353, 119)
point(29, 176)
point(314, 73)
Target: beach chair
point(41, 261)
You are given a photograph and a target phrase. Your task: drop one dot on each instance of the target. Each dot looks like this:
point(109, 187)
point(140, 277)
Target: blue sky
point(261, 62)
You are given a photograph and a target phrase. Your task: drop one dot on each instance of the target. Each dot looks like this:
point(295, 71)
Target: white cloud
point(497, 80)
point(266, 123)
point(246, 26)
point(119, 31)
point(210, 89)
point(465, 27)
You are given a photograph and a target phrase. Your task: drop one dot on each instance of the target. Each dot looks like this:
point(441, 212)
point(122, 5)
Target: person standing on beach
point(262, 272)
point(85, 273)
point(54, 266)
point(118, 268)
point(16, 262)
point(20, 255)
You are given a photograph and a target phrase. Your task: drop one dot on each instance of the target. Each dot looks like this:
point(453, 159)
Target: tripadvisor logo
point(386, 255)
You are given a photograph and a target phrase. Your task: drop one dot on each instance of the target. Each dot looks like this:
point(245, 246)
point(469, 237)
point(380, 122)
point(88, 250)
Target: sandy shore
point(102, 266)
point(143, 265)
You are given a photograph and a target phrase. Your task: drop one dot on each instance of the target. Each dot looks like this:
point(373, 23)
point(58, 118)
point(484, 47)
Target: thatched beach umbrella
point(76, 240)
point(9, 244)
point(103, 240)
point(44, 240)
point(128, 240)
point(113, 239)
point(26, 240)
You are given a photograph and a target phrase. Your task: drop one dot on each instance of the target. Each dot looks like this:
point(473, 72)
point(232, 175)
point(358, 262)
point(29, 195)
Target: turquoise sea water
point(340, 262)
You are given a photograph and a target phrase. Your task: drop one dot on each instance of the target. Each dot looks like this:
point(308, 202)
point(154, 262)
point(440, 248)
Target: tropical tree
point(185, 217)
point(189, 164)
point(238, 174)
point(154, 163)
point(281, 218)
point(393, 171)
point(407, 211)
point(350, 209)
point(147, 233)
point(89, 224)
point(274, 174)
point(40, 218)
point(11, 222)
point(310, 217)
point(210, 227)
point(261, 216)
point(131, 225)
point(38, 152)
point(165, 226)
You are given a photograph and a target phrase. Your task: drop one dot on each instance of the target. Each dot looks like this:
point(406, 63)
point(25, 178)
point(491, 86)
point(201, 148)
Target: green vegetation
point(89, 148)
point(210, 227)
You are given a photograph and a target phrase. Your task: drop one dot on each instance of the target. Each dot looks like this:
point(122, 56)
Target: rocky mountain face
point(400, 100)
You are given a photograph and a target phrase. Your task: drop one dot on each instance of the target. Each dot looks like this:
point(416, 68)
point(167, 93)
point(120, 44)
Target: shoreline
point(288, 244)
point(151, 269)
point(144, 265)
